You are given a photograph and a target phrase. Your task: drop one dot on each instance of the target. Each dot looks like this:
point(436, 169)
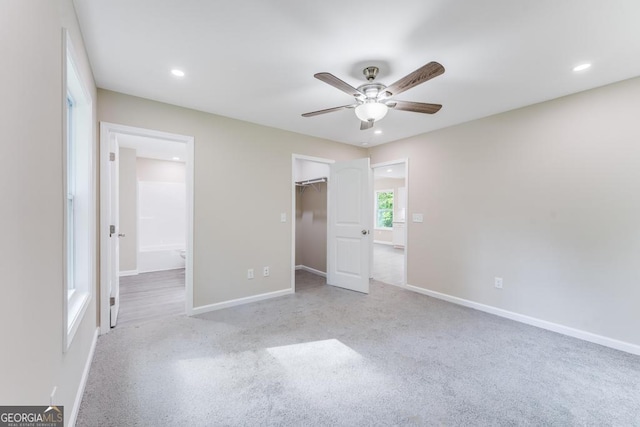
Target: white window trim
point(77, 300)
point(375, 208)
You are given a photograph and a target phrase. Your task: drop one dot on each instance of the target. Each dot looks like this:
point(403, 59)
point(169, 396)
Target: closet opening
point(311, 182)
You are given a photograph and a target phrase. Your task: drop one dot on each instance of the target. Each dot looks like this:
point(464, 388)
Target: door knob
point(365, 232)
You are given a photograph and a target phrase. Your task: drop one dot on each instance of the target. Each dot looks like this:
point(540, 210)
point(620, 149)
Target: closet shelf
point(310, 183)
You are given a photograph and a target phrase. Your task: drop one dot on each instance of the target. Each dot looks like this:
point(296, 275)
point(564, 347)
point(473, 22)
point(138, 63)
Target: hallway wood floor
point(150, 296)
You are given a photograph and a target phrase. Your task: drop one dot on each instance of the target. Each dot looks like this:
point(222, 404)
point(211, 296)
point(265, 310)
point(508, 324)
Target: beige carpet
point(326, 356)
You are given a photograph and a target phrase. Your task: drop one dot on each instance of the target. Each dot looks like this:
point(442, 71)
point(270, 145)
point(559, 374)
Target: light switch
point(418, 217)
point(283, 217)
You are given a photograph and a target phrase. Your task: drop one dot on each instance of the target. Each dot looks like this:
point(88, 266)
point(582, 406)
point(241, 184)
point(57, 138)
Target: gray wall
point(128, 210)
point(311, 227)
point(31, 119)
point(243, 176)
point(547, 197)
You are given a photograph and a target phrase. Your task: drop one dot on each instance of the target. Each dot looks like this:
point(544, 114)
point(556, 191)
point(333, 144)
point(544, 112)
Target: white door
point(114, 231)
point(349, 224)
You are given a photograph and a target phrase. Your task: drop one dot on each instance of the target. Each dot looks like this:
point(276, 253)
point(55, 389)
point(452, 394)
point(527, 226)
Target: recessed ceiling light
point(378, 132)
point(365, 143)
point(389, 170)
point(581, 67)
point(176, 158)
point(177, 73)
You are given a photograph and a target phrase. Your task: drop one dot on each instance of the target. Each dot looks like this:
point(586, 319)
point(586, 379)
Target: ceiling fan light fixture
point(371, 111)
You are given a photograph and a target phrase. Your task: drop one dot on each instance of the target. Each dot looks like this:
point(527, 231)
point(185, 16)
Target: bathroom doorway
point(152, 181)
point(389, 223)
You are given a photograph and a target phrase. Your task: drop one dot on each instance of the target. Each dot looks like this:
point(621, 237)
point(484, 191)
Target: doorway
point(341, 221)
point(310, 196)
point(389, 247)
point(146, 225)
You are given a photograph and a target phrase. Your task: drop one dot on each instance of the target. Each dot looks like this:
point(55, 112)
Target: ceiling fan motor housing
point(372, 90)
point(370, 73)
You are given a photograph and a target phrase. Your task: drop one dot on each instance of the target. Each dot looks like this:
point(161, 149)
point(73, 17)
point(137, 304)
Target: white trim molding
point(311, 270)
point(533, 321)
point(239, 301)
point(83, 380)
point(128, 273)
point(383, 242)
point(106, 129)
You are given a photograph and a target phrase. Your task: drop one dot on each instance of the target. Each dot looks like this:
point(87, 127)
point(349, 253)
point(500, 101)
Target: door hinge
point(112, 301)
point(112, 230)
point(112, 157)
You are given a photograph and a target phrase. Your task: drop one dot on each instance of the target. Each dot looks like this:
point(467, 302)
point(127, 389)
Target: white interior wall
point(545, 197)
point(161, 216)
point(243, 178)
point(309, 169)
point(33, 358)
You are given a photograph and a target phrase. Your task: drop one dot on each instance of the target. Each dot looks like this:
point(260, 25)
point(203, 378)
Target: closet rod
point(311, 181)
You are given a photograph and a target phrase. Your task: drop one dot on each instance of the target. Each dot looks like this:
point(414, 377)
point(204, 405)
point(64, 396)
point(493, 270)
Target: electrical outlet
point(283, 217)
point(497, 282)
point(250, 273)
point(265, 272)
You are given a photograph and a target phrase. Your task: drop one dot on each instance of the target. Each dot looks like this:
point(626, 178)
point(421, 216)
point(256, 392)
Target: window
point(79, 195)
point(384, 209)
point(70, 222)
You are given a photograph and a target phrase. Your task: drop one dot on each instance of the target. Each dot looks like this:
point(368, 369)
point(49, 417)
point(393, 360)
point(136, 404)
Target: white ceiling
point(396, 171)
point(153, 148)
point(255, 60)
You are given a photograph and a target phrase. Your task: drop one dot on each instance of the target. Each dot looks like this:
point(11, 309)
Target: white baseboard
point(550, 326)
point(311, 270)
point(383, 242)
point(83, 381)
point(239, 301)
point(161, 269)
point(128, 273)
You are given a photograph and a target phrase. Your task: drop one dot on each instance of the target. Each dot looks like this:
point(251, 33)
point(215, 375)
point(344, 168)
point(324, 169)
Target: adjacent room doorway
point(146, 193)
point(389, 243)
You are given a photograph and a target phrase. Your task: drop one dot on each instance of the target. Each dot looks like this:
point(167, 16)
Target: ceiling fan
point(373, 99)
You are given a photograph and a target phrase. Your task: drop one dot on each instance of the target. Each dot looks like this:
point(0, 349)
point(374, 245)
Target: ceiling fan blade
point(338, 84)
point(417, 107)
point(366, 125)
point(328, 110)
point(421, 75)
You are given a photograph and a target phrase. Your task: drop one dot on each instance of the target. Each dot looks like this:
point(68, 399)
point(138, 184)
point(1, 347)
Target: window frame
point(79, 195)
point(377, 209)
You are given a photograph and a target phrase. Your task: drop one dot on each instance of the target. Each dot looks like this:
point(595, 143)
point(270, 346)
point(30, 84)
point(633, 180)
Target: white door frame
point(107, 129)
point(295, 157)
point(406, 226)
